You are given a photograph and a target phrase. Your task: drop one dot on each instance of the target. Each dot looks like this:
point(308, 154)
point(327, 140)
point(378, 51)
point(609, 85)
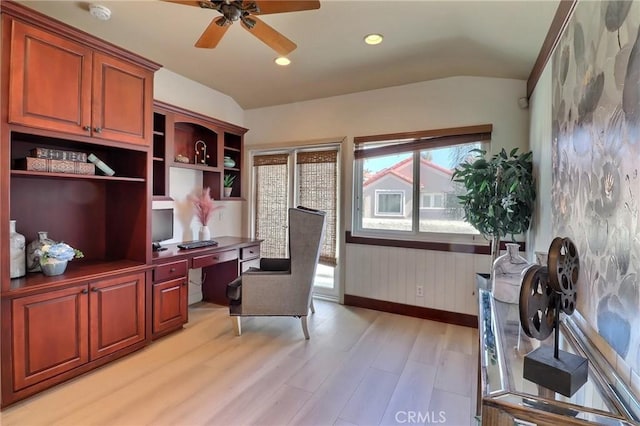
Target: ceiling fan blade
point(213, 34)
point(270, 37)
point(280, 6)
point(185, 2)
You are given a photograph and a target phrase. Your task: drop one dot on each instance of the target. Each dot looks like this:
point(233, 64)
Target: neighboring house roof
point(405, 173)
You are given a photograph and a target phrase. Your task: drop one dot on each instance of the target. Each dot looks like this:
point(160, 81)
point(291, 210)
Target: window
point(432, 201)
point(394, 170)
point(389, 203)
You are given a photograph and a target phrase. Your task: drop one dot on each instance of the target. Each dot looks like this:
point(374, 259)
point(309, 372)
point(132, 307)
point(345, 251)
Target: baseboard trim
point(455, 318)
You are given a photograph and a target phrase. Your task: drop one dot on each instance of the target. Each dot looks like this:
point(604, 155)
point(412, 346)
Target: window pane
point(441, 211)
point(387, 191)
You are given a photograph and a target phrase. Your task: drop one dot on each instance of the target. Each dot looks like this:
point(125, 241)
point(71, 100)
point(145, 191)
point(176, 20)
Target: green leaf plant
point(228, 181)
point(500, 193)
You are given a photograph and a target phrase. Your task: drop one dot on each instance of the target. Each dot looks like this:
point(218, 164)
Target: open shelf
point(49, 175)
point(189, 135)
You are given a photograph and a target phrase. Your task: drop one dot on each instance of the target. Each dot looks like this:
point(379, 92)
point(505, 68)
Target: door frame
point(292, 148)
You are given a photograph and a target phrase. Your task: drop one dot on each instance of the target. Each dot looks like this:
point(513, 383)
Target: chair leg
point(313, 308)
point(237, 327)
point(305, 330)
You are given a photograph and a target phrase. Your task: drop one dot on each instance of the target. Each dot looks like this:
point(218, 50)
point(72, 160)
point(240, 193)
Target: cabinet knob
point(95, 289)
point(98, 130)
point(84, 291)
point(172, 270)
point(86, 128)
point(184, 283)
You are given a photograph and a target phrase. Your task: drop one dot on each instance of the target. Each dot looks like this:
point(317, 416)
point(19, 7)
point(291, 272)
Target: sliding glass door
point(297, 177)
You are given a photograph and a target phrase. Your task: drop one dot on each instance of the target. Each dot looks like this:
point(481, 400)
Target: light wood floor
point(361, 367)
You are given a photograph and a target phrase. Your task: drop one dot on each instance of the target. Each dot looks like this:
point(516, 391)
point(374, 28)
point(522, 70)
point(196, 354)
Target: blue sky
point(440, 157)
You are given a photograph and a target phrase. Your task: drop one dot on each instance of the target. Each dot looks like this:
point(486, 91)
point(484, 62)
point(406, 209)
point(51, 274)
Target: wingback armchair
point(282, 287)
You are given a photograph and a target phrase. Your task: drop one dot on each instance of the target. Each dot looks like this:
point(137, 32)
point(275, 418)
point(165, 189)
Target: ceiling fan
point(245, 12)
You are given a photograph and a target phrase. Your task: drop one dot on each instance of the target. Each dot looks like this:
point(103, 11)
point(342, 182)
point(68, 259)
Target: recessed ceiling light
point(373, 39)
point(282, 61)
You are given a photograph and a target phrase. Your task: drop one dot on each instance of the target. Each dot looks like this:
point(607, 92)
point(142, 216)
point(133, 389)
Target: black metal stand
point(560, 371)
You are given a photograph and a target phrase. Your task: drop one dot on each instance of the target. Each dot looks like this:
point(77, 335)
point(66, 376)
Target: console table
point(507, 398)
point(221, 264)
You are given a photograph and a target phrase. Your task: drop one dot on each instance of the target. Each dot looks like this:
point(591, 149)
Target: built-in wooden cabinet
point(116, 314)
point(170, 301)
point(59, 331)
point(65, 86)
point(249, 257)
point(190, 140)
point(50, 335)
point(62, 89)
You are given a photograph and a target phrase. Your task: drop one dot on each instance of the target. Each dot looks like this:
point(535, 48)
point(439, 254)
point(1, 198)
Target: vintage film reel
point(537, 303)
point(564, 268)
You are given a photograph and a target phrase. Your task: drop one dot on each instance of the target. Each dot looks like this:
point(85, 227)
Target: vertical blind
point(272, 202)
point(317, 181)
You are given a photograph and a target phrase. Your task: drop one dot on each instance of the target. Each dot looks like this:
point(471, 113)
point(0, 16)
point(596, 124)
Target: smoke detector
point(100, 12)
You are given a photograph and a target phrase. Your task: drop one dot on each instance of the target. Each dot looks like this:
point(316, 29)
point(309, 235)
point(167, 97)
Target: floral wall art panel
point(595, 162)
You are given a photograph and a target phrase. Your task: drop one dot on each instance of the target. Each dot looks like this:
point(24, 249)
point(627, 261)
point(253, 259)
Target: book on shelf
point(55, 166)
point(101, 165)
point(58, 154)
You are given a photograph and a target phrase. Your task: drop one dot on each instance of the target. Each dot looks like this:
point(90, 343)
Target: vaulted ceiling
point(423, 40)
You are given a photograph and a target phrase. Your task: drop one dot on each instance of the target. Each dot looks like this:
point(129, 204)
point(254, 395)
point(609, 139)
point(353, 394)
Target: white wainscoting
point(392, 274)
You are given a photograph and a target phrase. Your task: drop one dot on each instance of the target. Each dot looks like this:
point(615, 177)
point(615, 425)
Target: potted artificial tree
point(500, 194)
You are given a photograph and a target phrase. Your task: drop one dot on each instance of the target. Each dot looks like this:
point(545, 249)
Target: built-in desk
point(508, 399)
point(220, 265)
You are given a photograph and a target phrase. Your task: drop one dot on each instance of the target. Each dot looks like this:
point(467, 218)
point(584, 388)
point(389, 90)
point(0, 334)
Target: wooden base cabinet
point(170, 297)
point(117, 314)
point(169, 305)
point(63, 330)
point(50, 334)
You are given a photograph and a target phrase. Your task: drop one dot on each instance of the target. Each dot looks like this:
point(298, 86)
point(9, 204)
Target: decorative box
point(58, 154)
point(55, 166)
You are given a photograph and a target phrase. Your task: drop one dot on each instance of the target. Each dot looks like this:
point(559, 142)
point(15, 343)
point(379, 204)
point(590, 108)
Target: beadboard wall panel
point(393, 274)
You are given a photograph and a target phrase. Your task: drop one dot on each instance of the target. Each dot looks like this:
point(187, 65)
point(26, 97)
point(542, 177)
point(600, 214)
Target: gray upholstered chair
point(282, 287)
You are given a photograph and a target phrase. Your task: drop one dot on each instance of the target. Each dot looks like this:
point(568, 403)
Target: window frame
point(379, 192)
point(413, 142)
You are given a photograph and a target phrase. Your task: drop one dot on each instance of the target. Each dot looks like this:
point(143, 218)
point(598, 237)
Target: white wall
point(176, 90)
point(541, 233)
point(450, 102)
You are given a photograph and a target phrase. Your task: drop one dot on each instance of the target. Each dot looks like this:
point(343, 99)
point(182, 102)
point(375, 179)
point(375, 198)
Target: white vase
point(33, 260)
point(227, 191)
point(17, 245)
point(204, 233)
point(506, 274)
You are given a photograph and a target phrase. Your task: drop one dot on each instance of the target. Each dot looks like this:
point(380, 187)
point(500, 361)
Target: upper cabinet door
point(50, 81)
point(122, 100)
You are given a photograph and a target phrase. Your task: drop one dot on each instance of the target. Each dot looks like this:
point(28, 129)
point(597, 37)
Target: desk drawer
point(212, 259)
point(247, 253)
point(169, 271)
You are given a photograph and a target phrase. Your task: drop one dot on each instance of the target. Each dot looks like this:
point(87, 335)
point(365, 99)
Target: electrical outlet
point(419, 291)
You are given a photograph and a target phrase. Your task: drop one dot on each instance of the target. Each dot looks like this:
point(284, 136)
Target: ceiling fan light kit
point(245, 12)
